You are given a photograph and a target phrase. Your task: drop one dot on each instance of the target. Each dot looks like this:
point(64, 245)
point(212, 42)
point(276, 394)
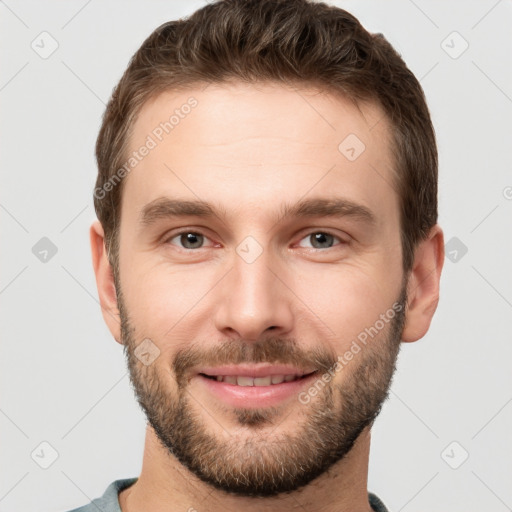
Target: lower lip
point(255, 396)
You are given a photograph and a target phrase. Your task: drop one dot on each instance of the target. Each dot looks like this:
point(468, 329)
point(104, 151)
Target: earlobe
point(423, 285)
point(105, 281)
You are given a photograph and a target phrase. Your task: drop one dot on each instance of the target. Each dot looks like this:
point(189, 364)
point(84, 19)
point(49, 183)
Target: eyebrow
point(165, 208)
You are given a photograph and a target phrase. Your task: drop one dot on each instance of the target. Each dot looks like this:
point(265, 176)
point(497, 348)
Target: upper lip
point(254, 370)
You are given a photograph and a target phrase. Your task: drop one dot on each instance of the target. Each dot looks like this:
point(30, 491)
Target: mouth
point(254, 386)
point(244, 380)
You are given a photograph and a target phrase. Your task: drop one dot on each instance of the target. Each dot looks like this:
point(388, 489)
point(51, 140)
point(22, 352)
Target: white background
point(63, 378)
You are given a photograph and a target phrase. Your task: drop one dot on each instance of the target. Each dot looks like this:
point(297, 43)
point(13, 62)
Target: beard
point(259, 459)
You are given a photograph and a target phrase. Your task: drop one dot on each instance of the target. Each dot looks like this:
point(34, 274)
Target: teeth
point(242, 380)
point(263, 381)
point(277, 379)
point(229, 379)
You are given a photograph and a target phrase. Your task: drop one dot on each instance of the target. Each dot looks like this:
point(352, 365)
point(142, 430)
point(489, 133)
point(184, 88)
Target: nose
point(253, 302)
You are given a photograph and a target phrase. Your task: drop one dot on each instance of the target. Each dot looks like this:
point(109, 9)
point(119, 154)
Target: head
point(267, 205)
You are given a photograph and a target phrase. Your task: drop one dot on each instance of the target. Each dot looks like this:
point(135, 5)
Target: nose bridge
point(253, 299)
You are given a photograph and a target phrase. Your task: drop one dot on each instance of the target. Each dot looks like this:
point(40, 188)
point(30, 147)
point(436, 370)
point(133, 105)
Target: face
point(260, 280)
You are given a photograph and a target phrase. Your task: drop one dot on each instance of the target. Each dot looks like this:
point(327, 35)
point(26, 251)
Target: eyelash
point(168, 239)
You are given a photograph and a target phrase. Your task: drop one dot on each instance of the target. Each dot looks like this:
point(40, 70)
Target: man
point(267, 237)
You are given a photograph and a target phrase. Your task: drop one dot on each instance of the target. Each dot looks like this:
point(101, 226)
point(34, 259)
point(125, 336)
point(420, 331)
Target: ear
point(423, 285)
point(105, 281)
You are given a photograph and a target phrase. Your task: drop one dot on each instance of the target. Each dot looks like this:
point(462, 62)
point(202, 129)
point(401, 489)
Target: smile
point(243, 380)
point(254, 385)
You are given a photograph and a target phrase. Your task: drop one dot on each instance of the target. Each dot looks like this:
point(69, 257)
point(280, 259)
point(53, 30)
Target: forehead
point(246, 146)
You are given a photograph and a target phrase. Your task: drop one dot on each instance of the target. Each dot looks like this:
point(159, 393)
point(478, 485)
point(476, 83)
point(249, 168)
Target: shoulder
point(109, 501)
point(376, 503)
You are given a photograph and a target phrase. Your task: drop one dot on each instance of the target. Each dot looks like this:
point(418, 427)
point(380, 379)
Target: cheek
point(161, 299)
point(347, 299)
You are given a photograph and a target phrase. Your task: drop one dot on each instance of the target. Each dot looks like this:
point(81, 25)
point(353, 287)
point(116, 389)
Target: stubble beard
point(260, 459)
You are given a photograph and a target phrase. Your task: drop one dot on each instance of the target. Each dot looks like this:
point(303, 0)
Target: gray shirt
point(109, 502)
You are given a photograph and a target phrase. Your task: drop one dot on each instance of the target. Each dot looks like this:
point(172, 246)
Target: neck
point(164, 485)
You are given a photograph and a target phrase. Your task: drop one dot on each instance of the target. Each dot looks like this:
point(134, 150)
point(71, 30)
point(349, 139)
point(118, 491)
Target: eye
point(320, 240)
point(188, 239)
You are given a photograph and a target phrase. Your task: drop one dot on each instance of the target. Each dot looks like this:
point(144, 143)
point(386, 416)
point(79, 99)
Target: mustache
point(270, 350)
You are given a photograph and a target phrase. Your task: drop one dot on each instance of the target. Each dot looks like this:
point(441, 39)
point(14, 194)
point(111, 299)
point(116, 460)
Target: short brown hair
point(298, 41)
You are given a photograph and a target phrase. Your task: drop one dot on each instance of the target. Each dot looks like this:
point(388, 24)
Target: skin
point(249, 150)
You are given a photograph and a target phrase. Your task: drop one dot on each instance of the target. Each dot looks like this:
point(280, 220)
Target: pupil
point(322, 238)
point(191, 240)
